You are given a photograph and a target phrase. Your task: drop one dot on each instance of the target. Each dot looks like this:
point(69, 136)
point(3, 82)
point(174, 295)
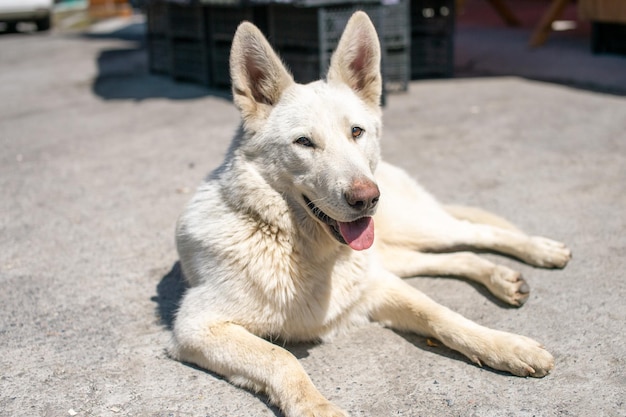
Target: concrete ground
point(97, 158)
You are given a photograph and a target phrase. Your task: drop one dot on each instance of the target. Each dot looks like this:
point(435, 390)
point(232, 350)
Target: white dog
point(279, 242)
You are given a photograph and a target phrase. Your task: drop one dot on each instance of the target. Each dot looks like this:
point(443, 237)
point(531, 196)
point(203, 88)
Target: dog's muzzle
point(358, 234)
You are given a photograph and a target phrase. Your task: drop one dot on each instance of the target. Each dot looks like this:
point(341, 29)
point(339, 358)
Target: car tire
point(43, 23)
point(11, 27)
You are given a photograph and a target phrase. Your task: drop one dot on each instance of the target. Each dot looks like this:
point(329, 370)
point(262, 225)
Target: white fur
point(262, 267)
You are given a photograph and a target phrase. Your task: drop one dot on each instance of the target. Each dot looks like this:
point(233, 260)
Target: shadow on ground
point(123, 73)
point(172, 287)
point(170, 291)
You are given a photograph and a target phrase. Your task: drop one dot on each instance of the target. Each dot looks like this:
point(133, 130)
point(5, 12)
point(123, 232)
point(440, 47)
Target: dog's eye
point(357, 132)
point(304, 141)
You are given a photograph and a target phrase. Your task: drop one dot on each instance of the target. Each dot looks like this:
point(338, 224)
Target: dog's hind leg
point(401, 306)
point(505, 283)
point(410, 217)
point(534, 250)
point(478, 215)
point(507, 238)
point(445, 233)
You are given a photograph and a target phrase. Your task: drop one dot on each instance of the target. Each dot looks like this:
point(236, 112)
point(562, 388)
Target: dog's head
point(316, 144)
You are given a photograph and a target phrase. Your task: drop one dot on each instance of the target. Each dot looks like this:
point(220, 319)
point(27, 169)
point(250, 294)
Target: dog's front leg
point(401, 306)
point(250, 361)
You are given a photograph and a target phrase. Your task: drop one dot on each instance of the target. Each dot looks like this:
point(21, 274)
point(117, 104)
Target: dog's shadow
point(172, 286)
point(435, 346)
point(171, 289)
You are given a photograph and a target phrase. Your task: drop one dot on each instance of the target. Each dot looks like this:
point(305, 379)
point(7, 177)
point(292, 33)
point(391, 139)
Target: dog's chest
point(303, 296)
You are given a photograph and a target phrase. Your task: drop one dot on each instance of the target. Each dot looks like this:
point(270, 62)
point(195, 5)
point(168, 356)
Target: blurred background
point(580, 43)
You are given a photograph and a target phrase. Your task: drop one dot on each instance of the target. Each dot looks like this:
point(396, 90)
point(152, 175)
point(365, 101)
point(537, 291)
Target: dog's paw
point(519, 355)
point(508, 285)
point(321, 410)
point(547, 253)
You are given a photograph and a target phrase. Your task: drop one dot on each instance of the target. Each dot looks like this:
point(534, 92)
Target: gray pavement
point(97, 159)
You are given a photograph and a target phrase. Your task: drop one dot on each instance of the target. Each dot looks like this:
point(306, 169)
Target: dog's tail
point(476, 215)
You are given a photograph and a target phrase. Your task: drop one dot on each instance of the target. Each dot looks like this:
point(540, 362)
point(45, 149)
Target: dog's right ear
point(258, 76)
point(356, 61)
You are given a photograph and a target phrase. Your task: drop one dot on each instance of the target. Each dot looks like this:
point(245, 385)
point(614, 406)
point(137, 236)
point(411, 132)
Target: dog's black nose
point(362, 195)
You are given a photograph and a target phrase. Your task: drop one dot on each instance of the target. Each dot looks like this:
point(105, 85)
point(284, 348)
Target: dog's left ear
point(356, 60)
point(258, 75)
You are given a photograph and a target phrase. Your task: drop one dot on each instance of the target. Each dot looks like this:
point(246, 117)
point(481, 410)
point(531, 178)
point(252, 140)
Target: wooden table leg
point(543, 29)
point(505, 13)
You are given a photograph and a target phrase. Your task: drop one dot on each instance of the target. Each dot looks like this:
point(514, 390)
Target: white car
point(14, 11)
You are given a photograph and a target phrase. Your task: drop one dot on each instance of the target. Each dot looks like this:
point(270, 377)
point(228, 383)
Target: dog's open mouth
point(358, 234)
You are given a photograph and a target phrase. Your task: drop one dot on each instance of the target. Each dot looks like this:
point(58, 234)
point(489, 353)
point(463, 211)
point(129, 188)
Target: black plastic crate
point(432, 17)
point(190, 61)
point(392, 25)
point(187, 21)
point(220, 69)
point(306, 37)
point(303, 65)
point(396, 70)
point(432, 38)
point(333, 20)
point(160, 55)
point(157, 18)
point(293, 27)
point(195, 38)
point(608, 38)
point(222, 21)
point(396, 25)
point(431, 56)
point(313, 27)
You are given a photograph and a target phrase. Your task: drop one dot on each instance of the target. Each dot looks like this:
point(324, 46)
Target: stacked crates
point(222, 22)
point(159, 48)
point(432, 38)
point(396, 38)
point(189, 43)
point(609, 38)
point(192, 41)
point(305, 37)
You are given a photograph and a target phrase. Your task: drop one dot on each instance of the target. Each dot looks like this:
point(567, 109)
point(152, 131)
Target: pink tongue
point(359, 234)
